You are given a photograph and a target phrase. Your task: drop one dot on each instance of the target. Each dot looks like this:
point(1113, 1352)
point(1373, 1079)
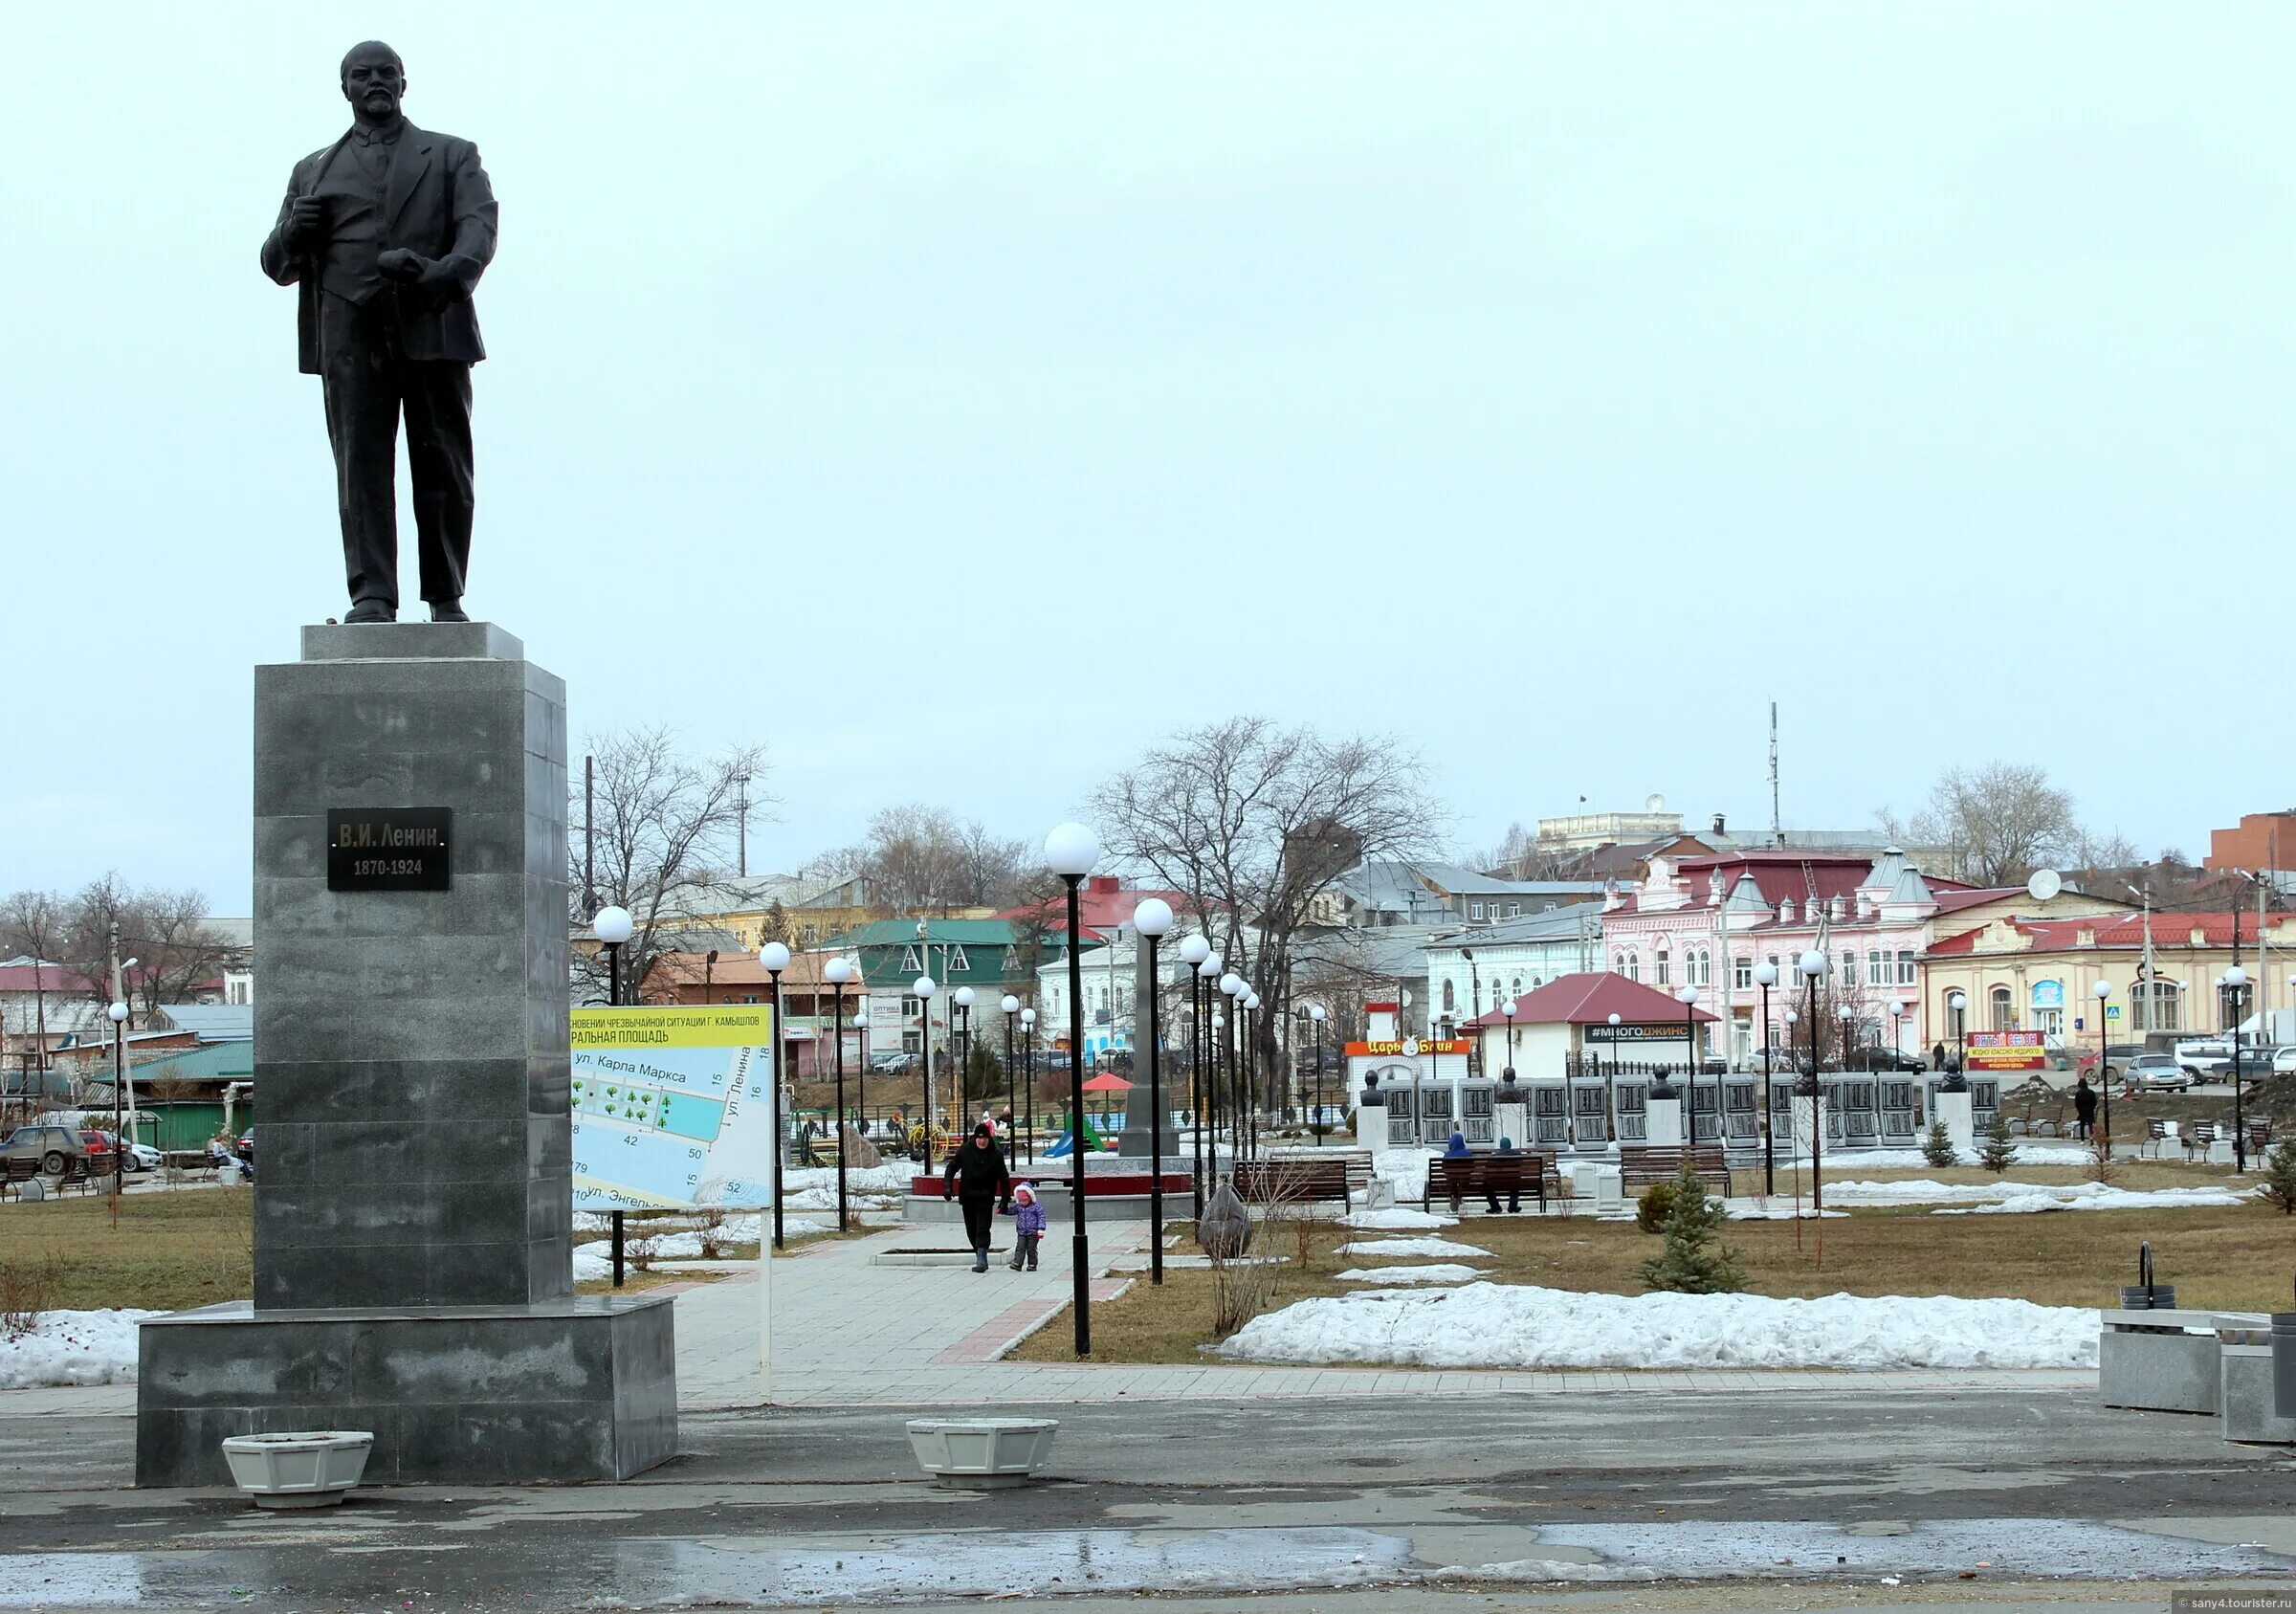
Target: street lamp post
point(117, 1013)
point(1765, 976)
point(613, 927)
point(1193, 950)
point(1028, 1077)
point(2103, 990)
point(1315, 1015)
point(1611, 1087)
point(1959, 1003)
point(775, 957)
point(837, 972)
point(1150, 920)
point(2235, 992)
point(1231, 988)
point(1812, 965)
point(922, 990)
point(963, 998)
point(1071, 851)
point(1011, 1006)
point(1690, 1042)
point(1252, 1072)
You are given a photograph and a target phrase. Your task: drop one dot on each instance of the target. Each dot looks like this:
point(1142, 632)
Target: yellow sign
point(717, 1026)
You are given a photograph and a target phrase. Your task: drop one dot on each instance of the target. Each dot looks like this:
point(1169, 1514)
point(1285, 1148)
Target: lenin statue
point(384, 234)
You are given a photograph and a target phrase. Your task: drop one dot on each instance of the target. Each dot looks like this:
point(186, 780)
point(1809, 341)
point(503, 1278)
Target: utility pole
point(1777, 834)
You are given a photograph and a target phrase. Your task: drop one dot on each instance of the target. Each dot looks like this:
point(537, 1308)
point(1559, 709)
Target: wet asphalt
point(826, 1508)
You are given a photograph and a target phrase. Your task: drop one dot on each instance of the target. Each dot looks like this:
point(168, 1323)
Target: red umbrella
point(1108, 1082)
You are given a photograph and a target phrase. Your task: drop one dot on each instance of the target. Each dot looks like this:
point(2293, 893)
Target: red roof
point(65, 983)
point(1591, 999)
point(2122, 930)
point(1102, 903)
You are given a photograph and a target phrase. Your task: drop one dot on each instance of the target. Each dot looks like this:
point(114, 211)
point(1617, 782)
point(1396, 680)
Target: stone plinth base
point(2250, 1411)
point(583, 1389)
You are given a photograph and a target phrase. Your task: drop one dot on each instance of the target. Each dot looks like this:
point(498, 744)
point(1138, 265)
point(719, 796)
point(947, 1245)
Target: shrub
point(1937, 1148)
point(1691, 1263)
point(2280, 1176)
point(1652, 1210)
point(27, 1289)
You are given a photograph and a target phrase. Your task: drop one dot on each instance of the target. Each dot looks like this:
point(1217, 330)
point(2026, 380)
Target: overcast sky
point(956, 398)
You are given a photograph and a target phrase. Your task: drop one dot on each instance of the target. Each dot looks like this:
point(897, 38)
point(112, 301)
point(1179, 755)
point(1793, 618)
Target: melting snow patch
point(1440, 1272)
point(1522, 1326)
point(1400, 1220)
point(73, 1348)
point(1429, 1246)
point(2096, 1196)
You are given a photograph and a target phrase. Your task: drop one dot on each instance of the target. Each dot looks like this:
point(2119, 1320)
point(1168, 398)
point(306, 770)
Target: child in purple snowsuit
point(1028, 1227)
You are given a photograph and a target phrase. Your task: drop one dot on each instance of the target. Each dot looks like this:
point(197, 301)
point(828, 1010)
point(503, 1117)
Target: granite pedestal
point(412, 1257)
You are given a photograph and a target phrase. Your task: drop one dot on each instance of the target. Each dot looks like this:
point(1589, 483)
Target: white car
point(143, 1157)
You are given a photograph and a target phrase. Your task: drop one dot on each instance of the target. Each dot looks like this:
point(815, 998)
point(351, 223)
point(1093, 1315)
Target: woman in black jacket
point(977, 1179)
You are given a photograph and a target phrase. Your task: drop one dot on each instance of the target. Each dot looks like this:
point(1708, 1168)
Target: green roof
point(216, 1062)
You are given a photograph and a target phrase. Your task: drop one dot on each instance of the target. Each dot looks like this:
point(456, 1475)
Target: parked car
point(140, 1157)
point(1874, 1058)
point(2159, 1072)
point(60, 1150)
point(2284, 1061)
point(2205, 1058)
point(894, 1064)
point(2117, 1056)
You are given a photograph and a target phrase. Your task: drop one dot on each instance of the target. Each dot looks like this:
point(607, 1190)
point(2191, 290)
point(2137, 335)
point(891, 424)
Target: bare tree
point(165, 932)
point(662, 820)
point(1251, 822)
point(921, 859)
point(2001, 821)
point(34, 923)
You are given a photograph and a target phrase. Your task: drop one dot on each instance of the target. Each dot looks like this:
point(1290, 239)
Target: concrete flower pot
point(302, 1469)
point(981, 1453)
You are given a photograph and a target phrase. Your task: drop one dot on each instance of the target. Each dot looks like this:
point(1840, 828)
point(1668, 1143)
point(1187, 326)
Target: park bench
point(1292, 1181)
point(2198, 1139)
point(1489, 1178)
point(2260, 1139)
point(1641, 1165)
point(2156, 1137)
point(23, 1171)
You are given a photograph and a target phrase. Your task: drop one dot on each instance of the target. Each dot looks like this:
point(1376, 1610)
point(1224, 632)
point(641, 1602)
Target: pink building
point(1710, 921)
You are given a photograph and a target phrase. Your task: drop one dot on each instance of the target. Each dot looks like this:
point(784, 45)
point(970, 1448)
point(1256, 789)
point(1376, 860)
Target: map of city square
point(672, 1107)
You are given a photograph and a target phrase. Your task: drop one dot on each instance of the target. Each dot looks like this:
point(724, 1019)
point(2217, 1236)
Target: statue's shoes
point(447, 611)
point(371, 610)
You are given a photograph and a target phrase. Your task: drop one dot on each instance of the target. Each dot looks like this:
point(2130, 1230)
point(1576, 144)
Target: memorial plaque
point(388, 848)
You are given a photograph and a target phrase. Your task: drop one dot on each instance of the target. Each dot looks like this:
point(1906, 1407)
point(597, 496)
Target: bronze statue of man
point(386, 232)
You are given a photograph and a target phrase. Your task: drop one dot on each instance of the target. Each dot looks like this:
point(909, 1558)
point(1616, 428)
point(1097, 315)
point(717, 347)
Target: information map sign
point(672, 1107)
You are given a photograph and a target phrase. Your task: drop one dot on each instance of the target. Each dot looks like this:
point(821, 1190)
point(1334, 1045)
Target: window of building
point(806, 934)
point(1849, 969)
point(1514, 910)
point(912, 1007)
point(1741, 971)
point(959, 963)
point(909, 964)
point(2004, 1008)
point(1450, 998)
point(1013, 961)
point(1474, 910)
point(1634, 966)
point(1877, 967)
point(1660, 964)
point(2156, 1005)
point(1905, 969)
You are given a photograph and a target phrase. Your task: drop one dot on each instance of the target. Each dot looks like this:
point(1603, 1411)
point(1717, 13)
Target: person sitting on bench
point(1514, 1194)
point(1457, 1151)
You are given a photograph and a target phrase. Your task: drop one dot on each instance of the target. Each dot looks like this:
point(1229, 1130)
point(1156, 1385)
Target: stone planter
point(305, 1469)
point(2248, 1402)
point(981, 1453)
point(2158, 1361)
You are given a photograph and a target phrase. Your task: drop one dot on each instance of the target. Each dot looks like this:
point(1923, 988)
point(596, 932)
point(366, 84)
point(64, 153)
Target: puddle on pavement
point(777, 1572)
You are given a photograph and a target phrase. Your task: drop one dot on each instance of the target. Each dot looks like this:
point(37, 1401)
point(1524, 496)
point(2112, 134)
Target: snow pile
point(1440, 1272)
point(1403, 1169)
point(1400, 1220)
point(73, 1348)
point(2046, 1152)
point(1505, 1325)
point(1429, 1246)
point(1988, 1198)
point(2098, 1196)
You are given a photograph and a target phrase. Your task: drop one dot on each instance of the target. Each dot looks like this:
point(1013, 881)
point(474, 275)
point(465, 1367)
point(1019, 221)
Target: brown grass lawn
point(170, 1252)
point(2234, 1259)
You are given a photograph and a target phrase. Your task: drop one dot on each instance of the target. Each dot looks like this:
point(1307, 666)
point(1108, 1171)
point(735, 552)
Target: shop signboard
point(2006, 1050)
